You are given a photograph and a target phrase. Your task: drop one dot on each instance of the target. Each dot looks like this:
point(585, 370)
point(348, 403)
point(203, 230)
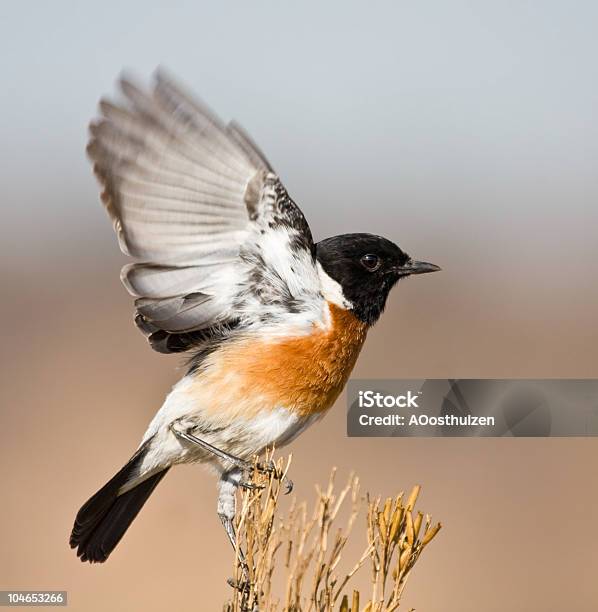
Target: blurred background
point(465, 131)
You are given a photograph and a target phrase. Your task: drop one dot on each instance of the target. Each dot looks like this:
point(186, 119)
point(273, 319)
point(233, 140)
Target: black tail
point(103, 519)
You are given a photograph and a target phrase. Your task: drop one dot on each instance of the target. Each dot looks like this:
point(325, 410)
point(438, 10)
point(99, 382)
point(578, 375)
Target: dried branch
point(305, 555)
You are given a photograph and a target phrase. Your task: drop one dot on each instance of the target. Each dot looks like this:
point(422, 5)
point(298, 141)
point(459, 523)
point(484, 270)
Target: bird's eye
point(371, 262)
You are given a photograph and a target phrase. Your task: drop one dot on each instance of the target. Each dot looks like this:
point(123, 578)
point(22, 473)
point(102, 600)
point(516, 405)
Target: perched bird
point(227, 271)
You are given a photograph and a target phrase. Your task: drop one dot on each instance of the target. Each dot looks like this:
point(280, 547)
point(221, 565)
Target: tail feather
point(103, 519)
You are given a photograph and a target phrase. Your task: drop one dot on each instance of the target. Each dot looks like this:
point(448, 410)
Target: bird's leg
point(227, 505)
point(189, 437)
point(245, 466)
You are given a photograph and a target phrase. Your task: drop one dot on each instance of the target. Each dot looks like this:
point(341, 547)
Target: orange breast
point(304, 374)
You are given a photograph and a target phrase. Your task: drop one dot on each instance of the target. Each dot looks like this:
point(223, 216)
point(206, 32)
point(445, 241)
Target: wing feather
point(197, 204)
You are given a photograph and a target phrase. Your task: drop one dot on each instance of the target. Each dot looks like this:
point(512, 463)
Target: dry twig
point(302, 552)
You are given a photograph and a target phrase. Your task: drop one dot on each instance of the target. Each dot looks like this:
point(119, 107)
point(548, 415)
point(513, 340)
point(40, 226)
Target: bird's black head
point(367, 267)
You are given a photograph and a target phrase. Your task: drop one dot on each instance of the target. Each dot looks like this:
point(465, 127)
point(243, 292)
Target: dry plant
point(302, 551)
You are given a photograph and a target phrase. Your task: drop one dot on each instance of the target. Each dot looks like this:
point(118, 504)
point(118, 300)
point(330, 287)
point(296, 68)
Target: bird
point(223, 269)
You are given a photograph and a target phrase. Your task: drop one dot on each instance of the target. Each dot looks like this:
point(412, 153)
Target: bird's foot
point(269, 468)
point(251, 486)
point(239, 585)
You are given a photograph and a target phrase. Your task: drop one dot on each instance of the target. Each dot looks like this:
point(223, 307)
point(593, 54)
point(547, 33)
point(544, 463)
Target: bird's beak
point(417, 267)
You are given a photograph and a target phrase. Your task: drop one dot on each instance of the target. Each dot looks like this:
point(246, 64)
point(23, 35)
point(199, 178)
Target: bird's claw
point(251, 486)
point(288, 485)
point(269, 468)
point(239, 585)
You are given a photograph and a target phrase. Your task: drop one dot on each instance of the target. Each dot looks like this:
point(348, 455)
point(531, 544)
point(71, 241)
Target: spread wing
point(217, 241)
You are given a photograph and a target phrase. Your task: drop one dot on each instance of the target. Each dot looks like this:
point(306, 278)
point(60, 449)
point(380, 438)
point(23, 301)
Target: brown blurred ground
point(79, 386)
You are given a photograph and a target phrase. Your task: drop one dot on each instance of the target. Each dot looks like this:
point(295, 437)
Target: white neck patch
point(331, 290)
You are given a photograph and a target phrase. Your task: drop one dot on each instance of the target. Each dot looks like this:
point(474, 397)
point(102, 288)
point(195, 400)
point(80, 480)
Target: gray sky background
point(460, 112)
point(465, 131)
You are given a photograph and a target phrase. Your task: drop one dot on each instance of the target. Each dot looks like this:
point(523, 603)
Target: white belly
point(241, 437)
